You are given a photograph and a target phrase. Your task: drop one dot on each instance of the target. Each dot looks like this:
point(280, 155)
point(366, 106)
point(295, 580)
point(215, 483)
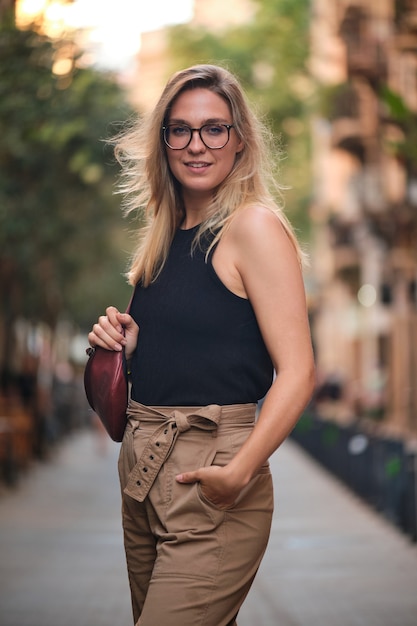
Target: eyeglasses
point(213, 136)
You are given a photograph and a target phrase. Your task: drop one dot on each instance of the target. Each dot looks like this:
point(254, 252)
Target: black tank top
point(198, 343)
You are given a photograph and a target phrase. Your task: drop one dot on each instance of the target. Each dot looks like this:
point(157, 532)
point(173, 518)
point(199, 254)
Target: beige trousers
point(189, 562)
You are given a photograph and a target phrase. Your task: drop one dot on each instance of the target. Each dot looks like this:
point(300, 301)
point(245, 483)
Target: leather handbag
point(106, 388)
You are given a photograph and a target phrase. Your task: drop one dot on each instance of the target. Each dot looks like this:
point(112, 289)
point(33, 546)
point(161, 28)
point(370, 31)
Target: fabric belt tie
point(161, 443)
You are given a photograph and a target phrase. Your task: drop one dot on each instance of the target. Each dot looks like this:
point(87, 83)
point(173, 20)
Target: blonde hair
point(147, 183)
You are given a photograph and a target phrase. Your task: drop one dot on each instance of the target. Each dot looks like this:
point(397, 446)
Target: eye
point(179, 131)
point(214, 130)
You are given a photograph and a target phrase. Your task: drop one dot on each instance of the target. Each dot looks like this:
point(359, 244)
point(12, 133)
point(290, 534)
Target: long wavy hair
point(149, 186)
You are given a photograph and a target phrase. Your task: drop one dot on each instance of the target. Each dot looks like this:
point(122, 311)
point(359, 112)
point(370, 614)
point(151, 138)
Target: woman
point(218, 306)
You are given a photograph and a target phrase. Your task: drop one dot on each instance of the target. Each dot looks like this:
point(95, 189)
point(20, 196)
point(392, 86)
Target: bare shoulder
point(255, 251)
point(259, 229)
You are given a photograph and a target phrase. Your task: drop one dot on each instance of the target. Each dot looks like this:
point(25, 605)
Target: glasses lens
point(177, 136)
point(215, 135)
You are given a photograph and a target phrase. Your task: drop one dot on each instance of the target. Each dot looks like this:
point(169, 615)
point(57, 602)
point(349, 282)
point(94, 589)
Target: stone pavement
point(331, 561)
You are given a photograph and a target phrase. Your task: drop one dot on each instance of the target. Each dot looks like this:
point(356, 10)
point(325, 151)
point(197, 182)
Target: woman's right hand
point(107, 332)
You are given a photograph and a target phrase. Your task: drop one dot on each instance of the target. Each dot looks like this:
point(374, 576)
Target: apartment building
point(364, 212)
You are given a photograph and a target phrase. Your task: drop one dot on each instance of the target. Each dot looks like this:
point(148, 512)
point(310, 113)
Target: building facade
point(364, 212)
point(154, 64)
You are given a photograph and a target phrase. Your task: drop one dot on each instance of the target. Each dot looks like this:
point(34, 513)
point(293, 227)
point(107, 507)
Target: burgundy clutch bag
point(106, 388)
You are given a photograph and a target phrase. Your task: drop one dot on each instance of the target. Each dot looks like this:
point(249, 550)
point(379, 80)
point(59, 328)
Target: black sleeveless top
point(198, 342)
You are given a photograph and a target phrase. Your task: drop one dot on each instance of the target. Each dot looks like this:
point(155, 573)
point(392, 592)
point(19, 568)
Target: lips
point(199, 165)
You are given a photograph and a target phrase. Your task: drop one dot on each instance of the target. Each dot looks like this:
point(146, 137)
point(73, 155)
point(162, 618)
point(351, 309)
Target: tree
point(7, 11)
point(60, 223)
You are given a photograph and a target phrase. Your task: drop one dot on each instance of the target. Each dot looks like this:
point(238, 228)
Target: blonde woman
point(218, 307)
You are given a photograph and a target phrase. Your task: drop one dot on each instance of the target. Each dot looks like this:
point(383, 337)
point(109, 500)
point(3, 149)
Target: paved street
point(331, 561)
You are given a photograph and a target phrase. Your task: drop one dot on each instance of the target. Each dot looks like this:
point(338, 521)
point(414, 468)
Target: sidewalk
point(330, 562)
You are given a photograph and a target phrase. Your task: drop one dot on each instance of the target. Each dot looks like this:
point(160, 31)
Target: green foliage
point(400, 114)
point(336, 101)
point(395, 104)
point(60, 253)
point(269, 56)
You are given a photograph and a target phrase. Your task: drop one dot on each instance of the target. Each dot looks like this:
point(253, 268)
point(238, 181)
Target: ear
point(240, 147)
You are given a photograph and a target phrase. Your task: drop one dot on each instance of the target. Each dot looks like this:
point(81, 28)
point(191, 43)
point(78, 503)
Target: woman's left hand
point(215, 484)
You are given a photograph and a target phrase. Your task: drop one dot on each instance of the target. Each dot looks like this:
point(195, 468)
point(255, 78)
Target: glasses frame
point(197, 130)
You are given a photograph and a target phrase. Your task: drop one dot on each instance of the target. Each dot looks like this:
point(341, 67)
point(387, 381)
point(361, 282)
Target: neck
point(196, 207)
point(193, 217)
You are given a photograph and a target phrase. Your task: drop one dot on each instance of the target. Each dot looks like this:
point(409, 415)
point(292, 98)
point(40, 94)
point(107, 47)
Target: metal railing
point(383, 472)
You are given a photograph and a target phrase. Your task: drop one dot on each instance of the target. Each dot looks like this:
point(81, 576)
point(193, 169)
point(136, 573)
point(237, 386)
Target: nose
point(196, 144)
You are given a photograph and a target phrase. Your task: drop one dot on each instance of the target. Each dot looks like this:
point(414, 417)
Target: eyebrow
point(212, 120)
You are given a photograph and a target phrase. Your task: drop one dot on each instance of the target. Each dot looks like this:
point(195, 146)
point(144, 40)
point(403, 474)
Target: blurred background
point(337, 82)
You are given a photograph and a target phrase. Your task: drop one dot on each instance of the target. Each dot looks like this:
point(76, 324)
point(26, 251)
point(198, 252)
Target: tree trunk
point(7, 11)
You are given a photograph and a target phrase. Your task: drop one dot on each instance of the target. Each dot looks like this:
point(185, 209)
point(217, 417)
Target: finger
point(112, 315)
point(106, 342)
point(106, 335)
point(126, 320)
point(109, 326)
point(187, 477)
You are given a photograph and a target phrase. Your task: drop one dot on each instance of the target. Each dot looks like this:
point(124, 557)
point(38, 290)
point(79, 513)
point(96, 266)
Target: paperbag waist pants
point(189, 562)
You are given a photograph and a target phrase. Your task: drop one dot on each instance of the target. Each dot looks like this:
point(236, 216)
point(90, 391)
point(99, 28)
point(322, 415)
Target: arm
point(271, 278)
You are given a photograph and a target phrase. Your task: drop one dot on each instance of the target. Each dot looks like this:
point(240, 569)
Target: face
point(200, 170)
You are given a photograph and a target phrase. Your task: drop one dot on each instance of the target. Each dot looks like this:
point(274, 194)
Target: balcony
point(366, 58)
